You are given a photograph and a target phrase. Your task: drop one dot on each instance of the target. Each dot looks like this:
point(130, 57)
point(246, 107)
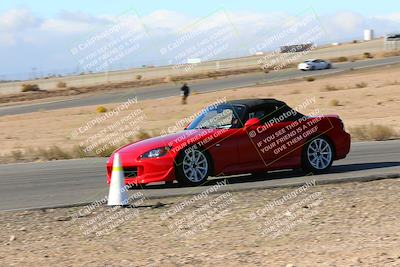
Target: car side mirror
point(252, 122)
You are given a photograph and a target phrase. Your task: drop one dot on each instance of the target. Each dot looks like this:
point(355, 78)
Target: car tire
point(329, 66)
point(318, 154)
point(192, 166)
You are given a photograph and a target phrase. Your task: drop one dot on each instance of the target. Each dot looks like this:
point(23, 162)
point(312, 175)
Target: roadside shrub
point(16, 155)
point(53, 152)
point(101, 109)
point(107, 151)
point(393, 53)
point(29, 87)
point(138, 77)
point(340, 59)
point(61, 84)
point(367, 55)
point(57, 153)
point(330, 88)
point(361, 85)
point(373, 132)
point(310, 79)
point(79, 152)
point(334, 102)
point(392, 83)
point(142, 135)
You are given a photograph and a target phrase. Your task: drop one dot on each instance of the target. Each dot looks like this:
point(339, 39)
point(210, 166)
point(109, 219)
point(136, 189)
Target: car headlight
point(156, 153)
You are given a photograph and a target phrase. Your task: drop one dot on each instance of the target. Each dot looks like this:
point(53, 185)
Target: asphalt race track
point(161, 91)
point(67, 182)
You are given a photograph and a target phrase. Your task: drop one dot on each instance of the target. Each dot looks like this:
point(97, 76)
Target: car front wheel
point(317, 155)
point(192, 167)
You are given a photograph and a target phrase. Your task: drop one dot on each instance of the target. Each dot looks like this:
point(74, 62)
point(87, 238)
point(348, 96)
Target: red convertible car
point(236, 137)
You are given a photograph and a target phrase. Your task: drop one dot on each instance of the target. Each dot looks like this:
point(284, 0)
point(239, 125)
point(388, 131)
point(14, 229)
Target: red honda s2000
point(241, 136)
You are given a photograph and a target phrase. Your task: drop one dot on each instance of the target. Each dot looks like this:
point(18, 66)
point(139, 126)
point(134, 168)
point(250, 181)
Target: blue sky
point(203, 7)
point(37, 37)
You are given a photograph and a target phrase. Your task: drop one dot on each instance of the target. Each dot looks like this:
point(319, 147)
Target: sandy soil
point(353, 224)
point(377, 102)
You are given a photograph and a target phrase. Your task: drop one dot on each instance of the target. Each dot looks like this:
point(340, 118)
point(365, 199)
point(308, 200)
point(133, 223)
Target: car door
point(322, 64)
point(279, 139)
point(317, 64)
point(252, 141)
point(223, 146)
point(222, 143)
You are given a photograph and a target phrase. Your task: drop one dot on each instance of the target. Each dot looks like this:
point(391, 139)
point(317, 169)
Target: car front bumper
point(304, 67)
point(145, 170)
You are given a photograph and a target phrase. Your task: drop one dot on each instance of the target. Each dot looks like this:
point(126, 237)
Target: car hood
point(173, 140)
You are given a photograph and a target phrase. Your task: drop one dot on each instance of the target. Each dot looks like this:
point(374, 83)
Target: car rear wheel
point(192, 167)
point(317, 155)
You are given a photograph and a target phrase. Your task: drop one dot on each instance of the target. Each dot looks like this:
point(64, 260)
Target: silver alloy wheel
point(195, 165)
point(319, 153)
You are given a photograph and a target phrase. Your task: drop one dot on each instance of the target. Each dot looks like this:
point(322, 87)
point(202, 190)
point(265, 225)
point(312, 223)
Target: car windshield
point(220, 117)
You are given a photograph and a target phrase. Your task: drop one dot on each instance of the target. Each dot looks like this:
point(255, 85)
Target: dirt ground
point(359, 97)
point(352, 224)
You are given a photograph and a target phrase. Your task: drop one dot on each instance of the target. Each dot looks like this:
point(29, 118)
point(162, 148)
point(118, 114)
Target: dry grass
point(142, 135)
point(339, 59)
point(373, 132)
point(61, 84)
point(394, 53)
point(56, 153)
point(51, 153)
point(330, 88)
point(29, 88)
point(17, 155)
point(101, 109)
point(389, 83)
point(334, 103)
point(368, 55)
point(361, 85)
